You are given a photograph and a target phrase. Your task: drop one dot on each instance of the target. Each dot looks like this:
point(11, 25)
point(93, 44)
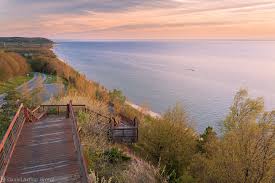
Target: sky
point(138, 19)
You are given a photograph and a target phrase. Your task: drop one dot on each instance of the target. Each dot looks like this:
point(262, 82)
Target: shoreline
point(62, 60)
point(142, 110)
point(135, 106)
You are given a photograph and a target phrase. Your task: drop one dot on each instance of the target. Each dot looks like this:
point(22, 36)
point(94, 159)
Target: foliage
point(11, 65)
point(116, 96)
point(14, 82)
point(169, 142)
point(21, 40)
point(114, 155)
point(209, 135)
point(245, 152)
point(95, 179)
point(140, 171)
point(50, 79)
point(8, 110)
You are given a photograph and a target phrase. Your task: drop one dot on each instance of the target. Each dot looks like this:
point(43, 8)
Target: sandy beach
point(147, 112)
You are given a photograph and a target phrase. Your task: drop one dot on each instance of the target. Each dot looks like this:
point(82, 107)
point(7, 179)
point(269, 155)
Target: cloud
point(168, 25)
point(228, 6)
point(89, 17)
point(80, 6)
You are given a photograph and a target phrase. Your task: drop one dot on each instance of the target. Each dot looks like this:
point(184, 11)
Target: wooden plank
point(78, 146)
point(45, 150)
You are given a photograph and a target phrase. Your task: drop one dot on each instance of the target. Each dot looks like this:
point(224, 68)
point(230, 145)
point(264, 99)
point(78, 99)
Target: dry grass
point(140, 171)
point(93, 131)
point(11, 65)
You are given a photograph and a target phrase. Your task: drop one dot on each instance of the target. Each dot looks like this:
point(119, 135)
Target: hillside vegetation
point(11, 65)
point(35, 40)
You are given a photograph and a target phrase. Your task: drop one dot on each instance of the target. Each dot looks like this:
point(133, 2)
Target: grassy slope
point(14, 82)
point(53, 79)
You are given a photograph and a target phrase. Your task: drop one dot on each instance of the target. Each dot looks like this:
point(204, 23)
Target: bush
point(169, 143)
point(245, 152)
point(116, 96)
point(139, 171)
point(114, 155)
point(12, 64)
point(9, 109)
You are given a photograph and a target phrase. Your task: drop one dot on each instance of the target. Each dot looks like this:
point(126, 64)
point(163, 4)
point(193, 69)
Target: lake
point(202, 75)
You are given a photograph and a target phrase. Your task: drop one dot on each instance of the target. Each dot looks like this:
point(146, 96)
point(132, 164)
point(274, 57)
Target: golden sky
point(139, 19)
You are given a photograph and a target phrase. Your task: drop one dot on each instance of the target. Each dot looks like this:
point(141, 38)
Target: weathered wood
point(45, 149)
point(78, 147)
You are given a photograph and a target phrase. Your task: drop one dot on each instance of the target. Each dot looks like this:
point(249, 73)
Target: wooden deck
point(45, 152)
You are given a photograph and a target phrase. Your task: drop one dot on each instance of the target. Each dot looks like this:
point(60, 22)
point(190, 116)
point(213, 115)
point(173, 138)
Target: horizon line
point(162, 40)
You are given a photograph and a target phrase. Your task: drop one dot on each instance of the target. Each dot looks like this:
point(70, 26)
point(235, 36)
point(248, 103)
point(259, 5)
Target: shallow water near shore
point(203, 75)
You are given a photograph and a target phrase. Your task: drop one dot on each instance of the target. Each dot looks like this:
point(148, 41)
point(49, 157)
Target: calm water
point(202, 75)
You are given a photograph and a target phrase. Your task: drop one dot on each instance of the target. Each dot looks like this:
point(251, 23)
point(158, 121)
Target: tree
point(209, 135)
point(117, 96)
point(245, 152)
point(169, 142)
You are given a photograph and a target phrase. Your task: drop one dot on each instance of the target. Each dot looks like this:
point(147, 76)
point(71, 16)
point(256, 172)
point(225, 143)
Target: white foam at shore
point(58, 56)
point(140, 109)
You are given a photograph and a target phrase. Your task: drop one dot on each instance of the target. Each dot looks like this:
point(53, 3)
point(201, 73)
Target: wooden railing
point(78, 146)
point(9, 140)
point(58, 108)
point(124, 133)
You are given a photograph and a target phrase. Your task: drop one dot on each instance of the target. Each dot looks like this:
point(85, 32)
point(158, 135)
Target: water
point(203, 75)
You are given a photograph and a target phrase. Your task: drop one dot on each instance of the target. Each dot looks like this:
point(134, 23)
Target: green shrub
point(114, 155)
point(116, 96)
point(168, 142)
point(245, 151)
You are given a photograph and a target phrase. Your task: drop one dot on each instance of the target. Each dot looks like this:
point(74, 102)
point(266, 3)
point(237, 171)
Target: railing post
point(68, 111)
point(26, 114)
point(137, 124)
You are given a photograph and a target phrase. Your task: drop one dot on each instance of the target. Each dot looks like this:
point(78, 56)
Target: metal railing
point(9, 140)
point(83, 168)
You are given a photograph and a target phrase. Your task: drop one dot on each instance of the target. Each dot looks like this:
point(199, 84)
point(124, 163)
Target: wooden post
point(136, 125)
point(26, 114)
point(68, 111)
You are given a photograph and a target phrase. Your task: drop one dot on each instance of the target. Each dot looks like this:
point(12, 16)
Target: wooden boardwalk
point(45, 152)
point(48, 149)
